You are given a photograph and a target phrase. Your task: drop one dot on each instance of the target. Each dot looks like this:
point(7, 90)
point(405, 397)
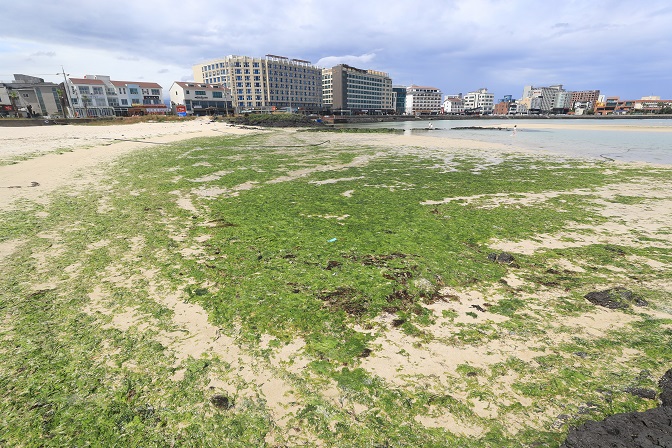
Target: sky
point(621, 47)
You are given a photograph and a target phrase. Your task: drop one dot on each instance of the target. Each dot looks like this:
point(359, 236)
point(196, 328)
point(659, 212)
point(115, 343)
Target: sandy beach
point(75, 158)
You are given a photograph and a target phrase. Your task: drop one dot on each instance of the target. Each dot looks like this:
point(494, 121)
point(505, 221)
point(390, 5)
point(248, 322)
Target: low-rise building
point(29, 96)
point(479, 102)
point(453, 105)
point(503, 107)
point(399, 99)
point(423, 100)
point(201, 98)
point(99, 96)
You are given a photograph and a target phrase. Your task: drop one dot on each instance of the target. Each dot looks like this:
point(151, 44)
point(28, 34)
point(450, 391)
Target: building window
point(199, 92)
point(217, 94)
point(156, 92)
point(133, 90)
point(84, 89)
point(124, 102)
point(97, 90)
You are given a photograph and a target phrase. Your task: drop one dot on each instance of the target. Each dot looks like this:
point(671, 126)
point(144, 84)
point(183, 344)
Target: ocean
point(627, 140)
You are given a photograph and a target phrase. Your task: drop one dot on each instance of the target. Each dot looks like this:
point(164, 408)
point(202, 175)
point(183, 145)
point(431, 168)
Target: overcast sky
point(621, 47)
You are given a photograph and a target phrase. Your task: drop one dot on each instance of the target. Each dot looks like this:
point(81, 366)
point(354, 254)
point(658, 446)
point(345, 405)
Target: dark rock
point(504, 257)
point(221, 401)
point(615, 298)
point(665, 385)
point(366, 352)
point(649, 429)
point(642, 392)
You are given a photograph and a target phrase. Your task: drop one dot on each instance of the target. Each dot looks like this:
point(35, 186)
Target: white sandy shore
point(86, 147)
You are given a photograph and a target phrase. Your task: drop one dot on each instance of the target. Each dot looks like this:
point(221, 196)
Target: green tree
point(86, 100)
point(13, 96)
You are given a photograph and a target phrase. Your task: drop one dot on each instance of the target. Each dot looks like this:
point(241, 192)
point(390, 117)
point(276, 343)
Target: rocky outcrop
point(648, 429)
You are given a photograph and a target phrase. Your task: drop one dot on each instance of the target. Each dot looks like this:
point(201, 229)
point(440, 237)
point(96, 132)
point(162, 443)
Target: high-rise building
point(423, 100)
point(544, 99)
point(269, 83)
point(346, 88)
point(587, 98)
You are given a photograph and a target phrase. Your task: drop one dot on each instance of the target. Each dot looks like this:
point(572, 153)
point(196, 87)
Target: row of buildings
point(91, 96)
point(241, 84)
point(280, 83)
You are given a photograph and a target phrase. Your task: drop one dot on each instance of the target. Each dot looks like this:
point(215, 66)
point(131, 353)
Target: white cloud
point(355, 61)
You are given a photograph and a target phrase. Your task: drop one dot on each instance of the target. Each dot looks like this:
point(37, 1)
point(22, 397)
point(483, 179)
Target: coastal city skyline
point(455, 46)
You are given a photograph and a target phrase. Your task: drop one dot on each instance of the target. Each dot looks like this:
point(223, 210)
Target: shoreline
point(57, 156)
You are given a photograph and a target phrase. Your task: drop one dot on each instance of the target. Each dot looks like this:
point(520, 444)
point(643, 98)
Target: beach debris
point(221, 401)
point(479, 308)
point(504, 257)
point(615, 298)
point(331, 264)
point(345, 299)
point(332, 240)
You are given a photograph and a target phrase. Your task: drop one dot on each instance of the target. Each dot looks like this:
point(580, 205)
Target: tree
point(85, 100)
point(61, 98)
point(13, 96)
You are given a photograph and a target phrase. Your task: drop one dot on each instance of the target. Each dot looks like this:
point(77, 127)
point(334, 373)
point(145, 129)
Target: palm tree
point(61, 98)
point(85, 100)
point(13, 96)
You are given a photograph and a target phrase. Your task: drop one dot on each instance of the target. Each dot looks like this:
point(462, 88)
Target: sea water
point(627, 140)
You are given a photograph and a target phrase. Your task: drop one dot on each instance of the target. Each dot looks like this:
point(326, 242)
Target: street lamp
point(67, 92)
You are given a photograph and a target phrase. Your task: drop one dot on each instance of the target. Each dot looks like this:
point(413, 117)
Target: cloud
point(455, 45)
point(50, 54)
point(358, 61)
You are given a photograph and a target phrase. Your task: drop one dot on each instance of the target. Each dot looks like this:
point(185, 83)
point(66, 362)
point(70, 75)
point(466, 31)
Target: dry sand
point(398, 359)
point(87, 149)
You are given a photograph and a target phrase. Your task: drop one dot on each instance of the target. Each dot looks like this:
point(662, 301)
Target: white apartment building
point(479, 101)
point(346, 88)
point(423, 100)
point(201, 99)
point(274, 82)
point(99, 96)
point(453, 105)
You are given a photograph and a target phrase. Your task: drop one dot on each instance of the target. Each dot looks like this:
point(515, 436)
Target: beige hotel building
point(265, 84)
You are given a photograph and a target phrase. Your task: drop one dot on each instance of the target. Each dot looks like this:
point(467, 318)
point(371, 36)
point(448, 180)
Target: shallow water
point(627, 140)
